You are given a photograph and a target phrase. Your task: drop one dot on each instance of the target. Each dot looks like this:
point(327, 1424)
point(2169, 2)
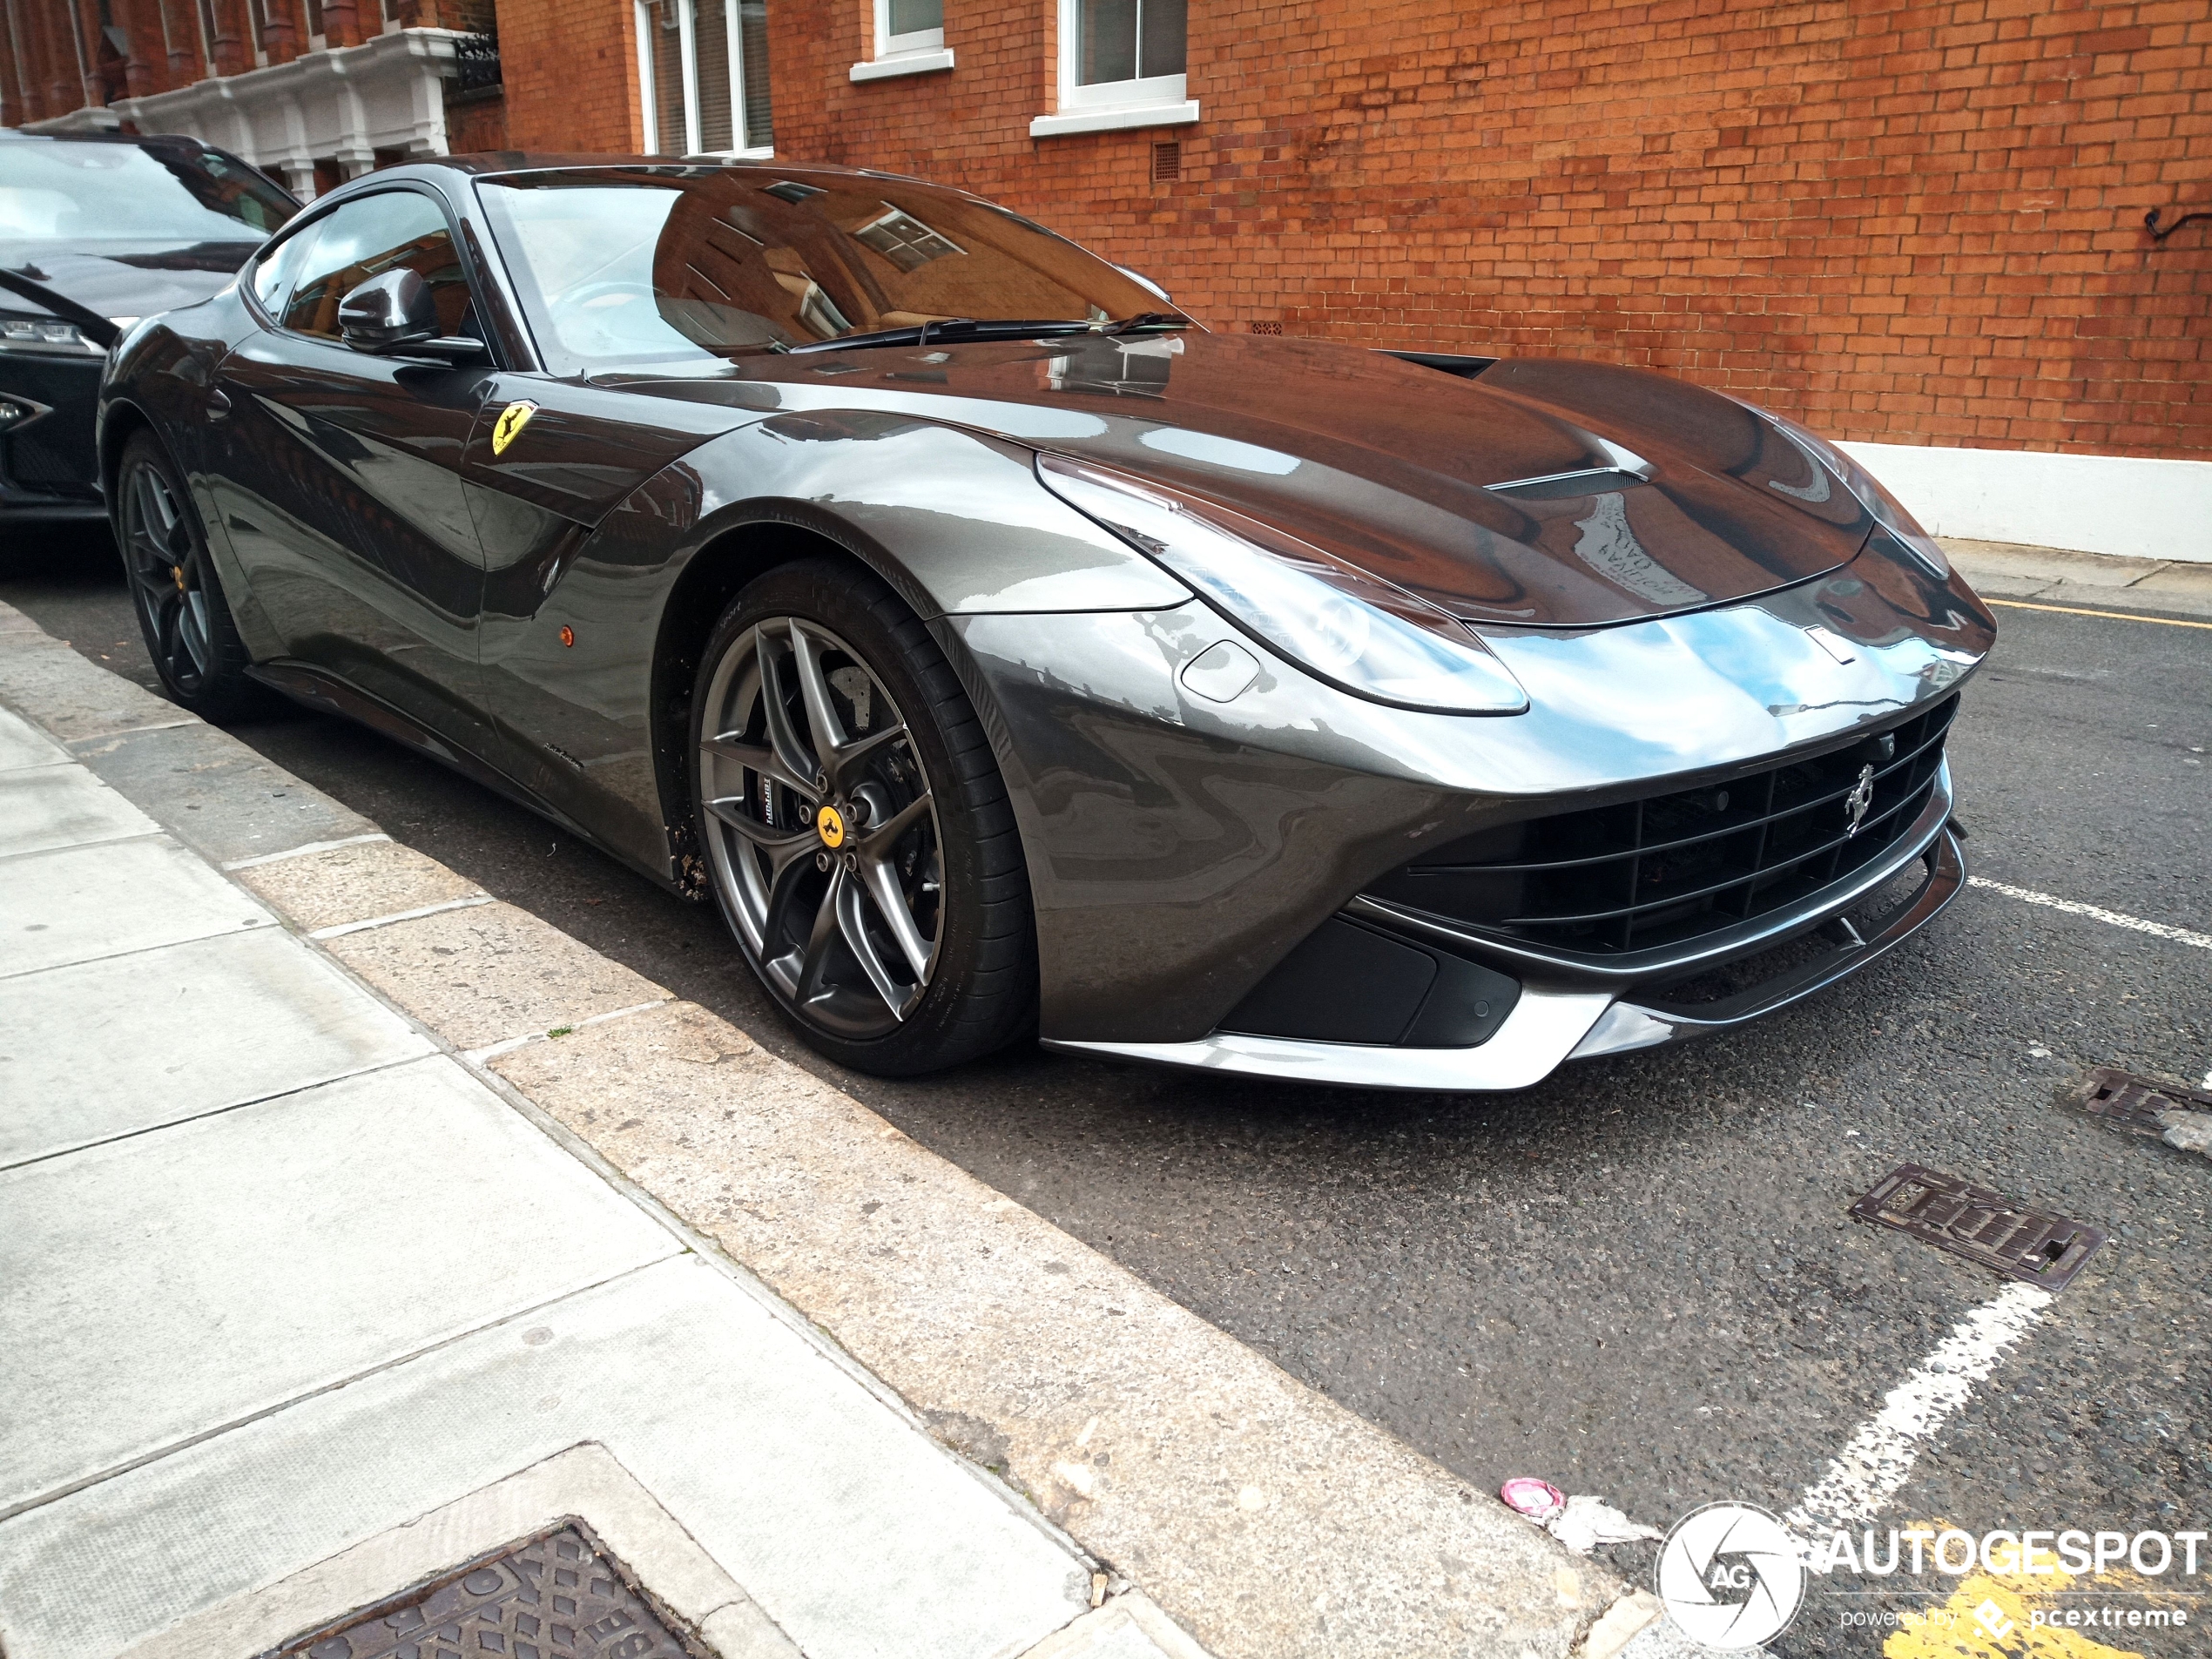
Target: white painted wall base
point(2116, 504)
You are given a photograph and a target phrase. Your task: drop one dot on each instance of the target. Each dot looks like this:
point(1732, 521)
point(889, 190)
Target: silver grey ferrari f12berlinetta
point(1003, 652)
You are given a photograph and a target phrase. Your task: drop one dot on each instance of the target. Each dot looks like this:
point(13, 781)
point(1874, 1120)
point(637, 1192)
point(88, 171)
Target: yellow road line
point(2076, 610)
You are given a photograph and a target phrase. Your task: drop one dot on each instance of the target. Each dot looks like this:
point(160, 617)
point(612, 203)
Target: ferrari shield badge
point(512, 420)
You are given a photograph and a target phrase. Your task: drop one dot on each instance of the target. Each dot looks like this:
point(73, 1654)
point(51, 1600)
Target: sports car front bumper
point(1182, 851)
point(1554, 1022)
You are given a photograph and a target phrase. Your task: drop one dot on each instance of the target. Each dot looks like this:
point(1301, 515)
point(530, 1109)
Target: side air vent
point(1466, 367)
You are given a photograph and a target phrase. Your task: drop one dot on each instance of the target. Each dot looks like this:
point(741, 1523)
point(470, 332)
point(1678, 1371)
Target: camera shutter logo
point(1731, 1576)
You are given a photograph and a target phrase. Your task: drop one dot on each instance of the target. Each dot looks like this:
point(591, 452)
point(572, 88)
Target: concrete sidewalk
point(360, 1224)
point(2051, 576)
point(283, 1277)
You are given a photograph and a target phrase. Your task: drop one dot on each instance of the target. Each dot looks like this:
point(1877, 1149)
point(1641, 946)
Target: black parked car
point(97, 231)
point(1004, 652)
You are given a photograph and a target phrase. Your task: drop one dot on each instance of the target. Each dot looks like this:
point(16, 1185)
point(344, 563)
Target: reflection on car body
point(1002, 652)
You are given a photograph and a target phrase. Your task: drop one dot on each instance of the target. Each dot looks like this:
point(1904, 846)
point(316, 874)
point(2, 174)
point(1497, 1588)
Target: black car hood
point(126, 278)
point(1686, 499)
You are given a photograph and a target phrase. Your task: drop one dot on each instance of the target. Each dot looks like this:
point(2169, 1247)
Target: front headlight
point(1886, 509)
point(45, 335)
point(1352, 630)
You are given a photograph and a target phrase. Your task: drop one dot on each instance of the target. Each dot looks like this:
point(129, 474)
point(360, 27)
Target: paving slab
point(585, 1482)
point(216, 795)
point(45, 807)
point(165, 1284)
point(72, 697)
point(859, 1537)
point(348, 884)
point(82, 903)
point(489, 973)
point(99, 1049)
point(24, 745)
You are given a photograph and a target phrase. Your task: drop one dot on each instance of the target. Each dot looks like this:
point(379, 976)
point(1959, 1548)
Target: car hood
point(1538, 493)
point(126, 278)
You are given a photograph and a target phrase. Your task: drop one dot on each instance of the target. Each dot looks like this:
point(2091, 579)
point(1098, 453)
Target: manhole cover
point(556, 1595)
point(1983, 1226)
point(2135, 1104)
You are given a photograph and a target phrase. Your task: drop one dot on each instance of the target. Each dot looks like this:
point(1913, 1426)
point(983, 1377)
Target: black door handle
point(218, 405)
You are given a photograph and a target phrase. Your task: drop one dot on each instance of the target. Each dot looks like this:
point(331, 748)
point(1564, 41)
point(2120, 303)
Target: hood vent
point(1465, 367)
point(1560, 486)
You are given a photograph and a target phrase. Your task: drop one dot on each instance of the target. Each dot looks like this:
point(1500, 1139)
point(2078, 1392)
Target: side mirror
point(388, 313)
point(395, 315)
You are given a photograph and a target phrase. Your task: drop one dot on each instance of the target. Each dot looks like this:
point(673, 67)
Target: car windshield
point(82, 191)
point(663, 265)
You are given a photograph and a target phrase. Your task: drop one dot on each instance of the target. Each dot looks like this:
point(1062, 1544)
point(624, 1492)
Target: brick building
point(1912, 225)
point(315, 92)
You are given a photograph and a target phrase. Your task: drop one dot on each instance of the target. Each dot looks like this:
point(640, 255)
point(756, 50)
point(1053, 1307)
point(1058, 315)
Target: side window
point(275, 272)
point(368, 238)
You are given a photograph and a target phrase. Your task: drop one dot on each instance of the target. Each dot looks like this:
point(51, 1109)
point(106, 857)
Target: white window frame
point(687, 58)
point(918, 51)
point(1151, 101)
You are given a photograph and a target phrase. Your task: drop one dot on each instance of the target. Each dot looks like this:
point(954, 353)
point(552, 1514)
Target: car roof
point(142, 140)
point(493, 162)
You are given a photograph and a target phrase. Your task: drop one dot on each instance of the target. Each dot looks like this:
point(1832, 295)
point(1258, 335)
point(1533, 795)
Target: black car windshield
point(643, 264)
point(75, 190)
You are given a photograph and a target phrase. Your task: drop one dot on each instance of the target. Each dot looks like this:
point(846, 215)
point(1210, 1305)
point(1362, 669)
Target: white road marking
point(345, 927)
point(1874, 1465)
point(2156, 929)
point(302, 852)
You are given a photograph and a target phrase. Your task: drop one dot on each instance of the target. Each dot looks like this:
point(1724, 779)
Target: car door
point(346, 511)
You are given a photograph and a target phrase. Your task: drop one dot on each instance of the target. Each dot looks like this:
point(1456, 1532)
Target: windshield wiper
point(954, 329)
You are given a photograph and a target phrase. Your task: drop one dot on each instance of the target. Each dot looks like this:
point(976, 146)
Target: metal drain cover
point(2133, 1103)
point(1983, 1226)
point(556, 1595)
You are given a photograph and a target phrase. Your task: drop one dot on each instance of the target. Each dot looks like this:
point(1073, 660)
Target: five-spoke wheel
point(188, 629)
point(865, 871)
point(166, 579)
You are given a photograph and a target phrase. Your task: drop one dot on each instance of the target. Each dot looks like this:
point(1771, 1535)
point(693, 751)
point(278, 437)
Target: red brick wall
point(571, 69)
point(476, 123)
point(1912, 224)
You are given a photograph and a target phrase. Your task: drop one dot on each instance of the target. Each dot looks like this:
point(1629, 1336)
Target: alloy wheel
point(168, 580)
point(822, 827)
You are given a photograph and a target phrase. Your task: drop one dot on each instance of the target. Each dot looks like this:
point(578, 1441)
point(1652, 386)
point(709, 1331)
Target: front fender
point(955, 521)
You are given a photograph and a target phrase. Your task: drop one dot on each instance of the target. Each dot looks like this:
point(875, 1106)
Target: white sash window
point(703, 74)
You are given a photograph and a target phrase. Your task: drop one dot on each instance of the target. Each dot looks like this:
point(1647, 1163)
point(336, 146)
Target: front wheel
point(856, 829)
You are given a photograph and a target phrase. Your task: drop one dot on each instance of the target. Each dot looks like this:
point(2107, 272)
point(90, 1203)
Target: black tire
point(912, 793)
point(175, 592)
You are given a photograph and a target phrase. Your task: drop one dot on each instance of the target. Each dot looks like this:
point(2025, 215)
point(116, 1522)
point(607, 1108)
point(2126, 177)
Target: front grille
point(1645, 874)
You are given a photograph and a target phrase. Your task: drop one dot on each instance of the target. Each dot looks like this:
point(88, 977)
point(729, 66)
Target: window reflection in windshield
point(643, 264)
point(87, 190)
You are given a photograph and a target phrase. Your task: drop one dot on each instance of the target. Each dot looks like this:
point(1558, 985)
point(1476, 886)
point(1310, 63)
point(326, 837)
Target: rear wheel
point(182, 612)
point(855, 826)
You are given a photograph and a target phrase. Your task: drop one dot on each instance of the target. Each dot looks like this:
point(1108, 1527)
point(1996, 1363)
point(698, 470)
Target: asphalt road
point(1638, 1279)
